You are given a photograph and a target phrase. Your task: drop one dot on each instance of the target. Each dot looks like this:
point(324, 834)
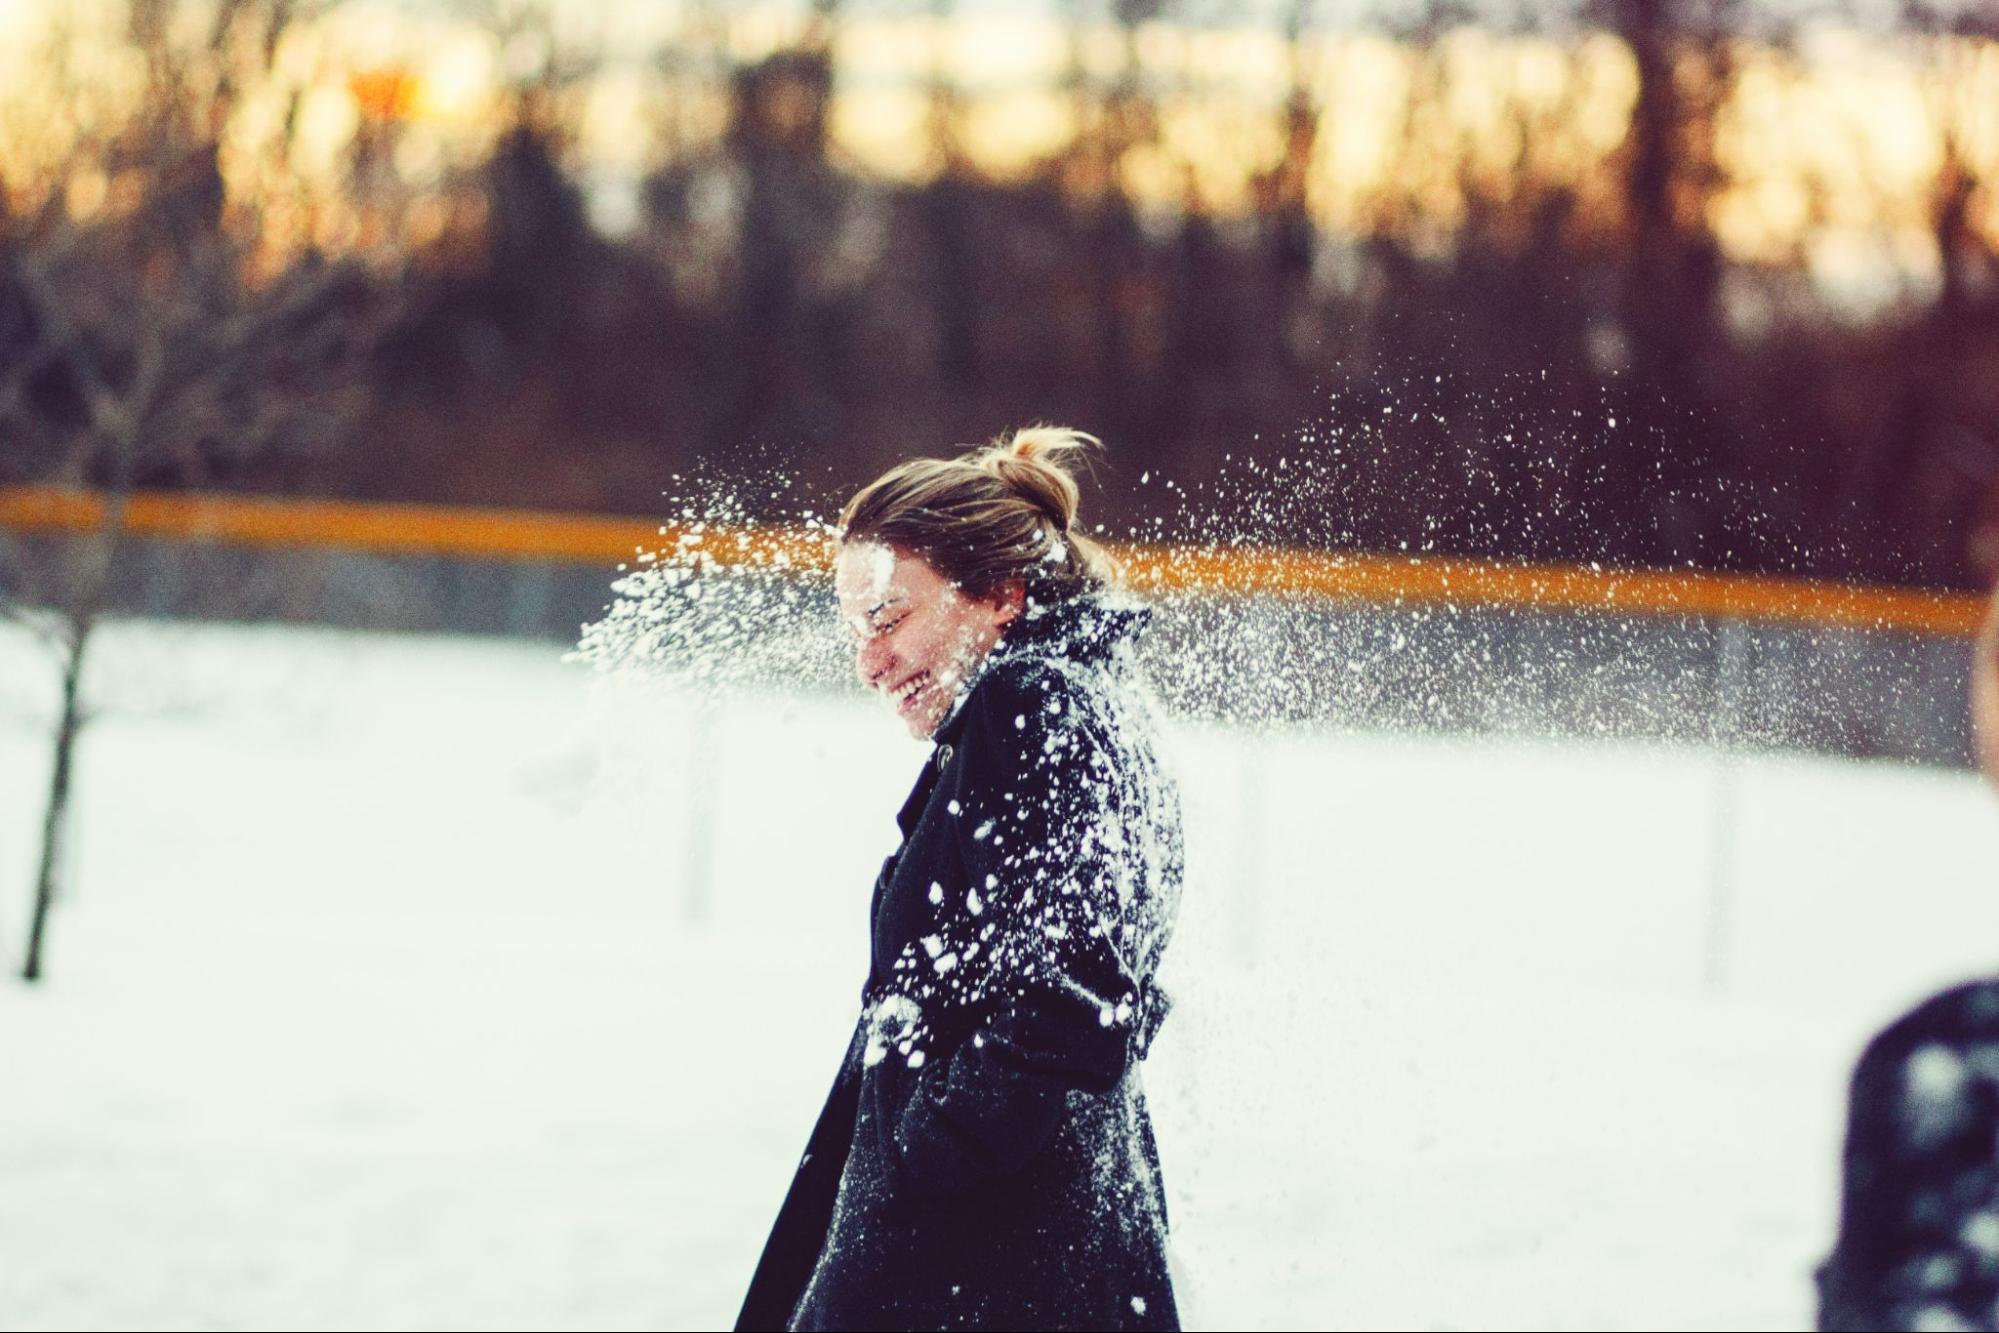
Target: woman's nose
point(871, 660)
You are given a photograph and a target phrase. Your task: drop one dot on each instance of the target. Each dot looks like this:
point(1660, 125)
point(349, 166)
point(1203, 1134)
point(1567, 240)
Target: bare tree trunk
point(93, 596)
point(68, 728)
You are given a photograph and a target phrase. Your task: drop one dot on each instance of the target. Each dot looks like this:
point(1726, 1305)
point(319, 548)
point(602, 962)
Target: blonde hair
point(1006, 510)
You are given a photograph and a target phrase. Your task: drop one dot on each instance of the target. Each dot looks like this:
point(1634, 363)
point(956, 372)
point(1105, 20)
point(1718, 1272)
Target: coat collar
point(1088, 628)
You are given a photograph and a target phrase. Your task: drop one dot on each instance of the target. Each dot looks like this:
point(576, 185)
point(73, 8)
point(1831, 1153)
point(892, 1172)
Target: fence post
point(1732, 666)
point(702, 765)
point(1252, 833)
point(528, 607)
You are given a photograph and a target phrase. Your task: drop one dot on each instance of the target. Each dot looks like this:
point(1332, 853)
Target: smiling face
point(916, 636)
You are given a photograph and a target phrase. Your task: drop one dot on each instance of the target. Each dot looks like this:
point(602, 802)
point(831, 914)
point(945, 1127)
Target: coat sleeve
point(1041, 834)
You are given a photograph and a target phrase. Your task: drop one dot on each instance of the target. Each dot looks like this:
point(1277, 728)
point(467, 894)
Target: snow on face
point(878, 560)
point(916, 636)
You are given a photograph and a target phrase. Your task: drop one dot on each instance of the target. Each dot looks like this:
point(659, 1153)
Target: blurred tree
point(949, 203)
point(1934, 464)
point(145, 348)
point(533, 358)
point(1283, 203)
point(771, 240)
point(1668, 313)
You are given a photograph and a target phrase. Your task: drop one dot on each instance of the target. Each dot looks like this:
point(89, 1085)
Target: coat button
point(943, 757)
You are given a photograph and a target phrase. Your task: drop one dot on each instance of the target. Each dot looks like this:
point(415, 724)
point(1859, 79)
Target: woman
point(985, 1158)
point(1918, 1243)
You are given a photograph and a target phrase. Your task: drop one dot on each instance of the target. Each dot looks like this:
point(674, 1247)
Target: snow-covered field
point(426, 983)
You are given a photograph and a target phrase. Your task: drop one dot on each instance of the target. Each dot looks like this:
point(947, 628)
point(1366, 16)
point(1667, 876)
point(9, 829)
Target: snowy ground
point(388, 997)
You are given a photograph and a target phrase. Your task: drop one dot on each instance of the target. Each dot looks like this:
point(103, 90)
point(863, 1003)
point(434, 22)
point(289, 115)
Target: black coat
point(985, 1158)
point(1919, 1209)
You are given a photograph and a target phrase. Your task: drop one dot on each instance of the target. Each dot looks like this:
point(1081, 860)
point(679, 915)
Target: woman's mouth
point(903, 693)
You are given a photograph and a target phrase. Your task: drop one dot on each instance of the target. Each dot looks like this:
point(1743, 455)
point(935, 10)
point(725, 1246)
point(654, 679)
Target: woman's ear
point(1009, 600)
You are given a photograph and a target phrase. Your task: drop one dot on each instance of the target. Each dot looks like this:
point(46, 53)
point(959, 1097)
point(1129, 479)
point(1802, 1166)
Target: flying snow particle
point(1933, 1103)
point(1981, 1232)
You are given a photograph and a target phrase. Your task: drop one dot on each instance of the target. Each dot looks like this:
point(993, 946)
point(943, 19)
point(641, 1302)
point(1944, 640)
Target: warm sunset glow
point(382, 94)
point(1832, 148)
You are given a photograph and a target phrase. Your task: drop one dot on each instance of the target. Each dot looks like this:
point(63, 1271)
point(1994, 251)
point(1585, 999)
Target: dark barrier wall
point(1854, 692)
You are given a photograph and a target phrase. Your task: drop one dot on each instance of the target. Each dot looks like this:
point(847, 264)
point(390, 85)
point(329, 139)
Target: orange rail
point(1394, 580)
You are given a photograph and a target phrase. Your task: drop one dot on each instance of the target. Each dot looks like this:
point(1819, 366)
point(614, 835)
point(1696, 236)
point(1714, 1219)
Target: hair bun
point(1037, 463)
point(1003, 511)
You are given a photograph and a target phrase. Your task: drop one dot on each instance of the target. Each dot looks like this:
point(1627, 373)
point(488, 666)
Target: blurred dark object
point(1918, 1243)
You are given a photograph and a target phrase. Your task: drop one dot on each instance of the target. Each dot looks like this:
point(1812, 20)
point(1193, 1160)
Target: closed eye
point(877, 629)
